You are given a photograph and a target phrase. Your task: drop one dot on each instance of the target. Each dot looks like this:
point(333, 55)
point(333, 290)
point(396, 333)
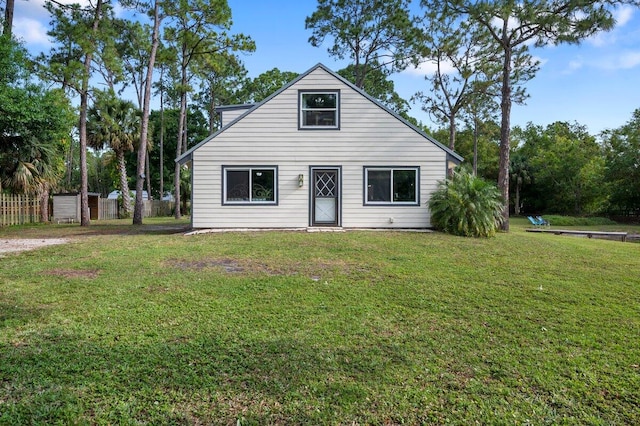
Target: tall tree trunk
point(475, 145)
point(70, 164)
point(148, 173)
point(505, 134)
point(516, 208)
point(452, 131)
point(176, 184)
point(181, 127)
point(359, 70)
point(44, 203)
point(161, 142)
point(124, 184)
point(85, 218)
point(144, 126)
point(8, 19)
point(179, 151)
point(212, 113)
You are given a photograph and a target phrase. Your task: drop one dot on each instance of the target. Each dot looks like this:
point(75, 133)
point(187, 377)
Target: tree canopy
point(566, 167)
point(512, 27)
point(265, 84)
point(35, 125)
point(379, 86)
point(622, 166)
point(373, 34)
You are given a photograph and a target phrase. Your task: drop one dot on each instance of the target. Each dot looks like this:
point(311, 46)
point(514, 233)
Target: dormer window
point(319, 110)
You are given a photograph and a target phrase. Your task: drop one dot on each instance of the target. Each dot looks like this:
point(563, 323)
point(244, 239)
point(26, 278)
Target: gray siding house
point(318, 153)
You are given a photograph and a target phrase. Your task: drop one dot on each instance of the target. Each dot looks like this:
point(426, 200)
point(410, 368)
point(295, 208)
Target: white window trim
point(391, 169)
point(301, 109)
point(250, 170)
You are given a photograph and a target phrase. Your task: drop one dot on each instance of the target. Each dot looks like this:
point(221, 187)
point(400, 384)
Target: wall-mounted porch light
point(300, 180)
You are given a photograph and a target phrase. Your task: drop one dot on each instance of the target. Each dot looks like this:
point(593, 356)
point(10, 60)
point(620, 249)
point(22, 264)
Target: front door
point(325, 197)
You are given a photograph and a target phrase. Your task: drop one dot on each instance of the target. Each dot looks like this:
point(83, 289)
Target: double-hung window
point(319, 110)
point(391, 185)
point(250, 185)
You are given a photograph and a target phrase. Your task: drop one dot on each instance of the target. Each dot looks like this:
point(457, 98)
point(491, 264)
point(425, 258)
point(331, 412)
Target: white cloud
point(429, 68)
point(32, 9)
point(626, 60)
point(498, 23)
point(30, 31)
point(630, 60)
point(603, 39)
point(623, 15)
point(622, 61)
point(31, 21)
point(574, 65)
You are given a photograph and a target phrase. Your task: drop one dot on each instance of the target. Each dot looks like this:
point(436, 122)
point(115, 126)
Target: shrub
point(578, 221)
point(466, 205)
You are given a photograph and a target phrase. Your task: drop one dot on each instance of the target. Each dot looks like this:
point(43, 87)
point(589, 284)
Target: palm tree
point(29, 166)
point(466, 205)
point(114, 123)
point(25, 164)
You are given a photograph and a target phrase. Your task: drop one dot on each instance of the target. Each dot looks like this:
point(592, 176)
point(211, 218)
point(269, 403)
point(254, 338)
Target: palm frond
point(466, 205)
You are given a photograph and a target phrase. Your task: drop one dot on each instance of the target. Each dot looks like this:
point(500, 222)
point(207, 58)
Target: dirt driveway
point(16, 239)
point(22, 244)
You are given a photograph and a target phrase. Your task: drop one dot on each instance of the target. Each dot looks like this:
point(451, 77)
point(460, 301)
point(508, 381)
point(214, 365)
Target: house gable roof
point(186, 157)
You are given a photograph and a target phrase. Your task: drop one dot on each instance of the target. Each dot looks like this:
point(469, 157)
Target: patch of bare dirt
point(229, 265)
point(74, 273)
point(314, 270)
point(22, 244)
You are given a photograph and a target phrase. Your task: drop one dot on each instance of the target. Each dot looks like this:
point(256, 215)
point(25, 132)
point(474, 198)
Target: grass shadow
point(183, 380)
point(154, 226)
point(14, 314)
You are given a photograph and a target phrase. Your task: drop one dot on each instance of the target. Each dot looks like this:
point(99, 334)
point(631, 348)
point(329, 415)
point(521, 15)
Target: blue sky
point(596, 83)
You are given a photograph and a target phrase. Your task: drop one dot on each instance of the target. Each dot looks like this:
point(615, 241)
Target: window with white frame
point(253, 185)
point(319, 110)
point(391, 185)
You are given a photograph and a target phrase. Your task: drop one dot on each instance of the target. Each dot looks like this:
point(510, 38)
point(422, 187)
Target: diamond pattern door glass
point(325, 184)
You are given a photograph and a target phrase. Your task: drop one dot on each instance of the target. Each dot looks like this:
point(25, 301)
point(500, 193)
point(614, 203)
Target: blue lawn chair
point(542, 221)
point(535, 222)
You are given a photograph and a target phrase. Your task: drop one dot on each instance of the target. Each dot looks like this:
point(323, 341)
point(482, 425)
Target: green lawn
point(130, 325)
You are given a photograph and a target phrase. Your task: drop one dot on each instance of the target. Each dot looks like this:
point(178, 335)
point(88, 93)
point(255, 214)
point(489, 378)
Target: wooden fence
point(152, 208)
point(108, 209)
point(157, 208)
point(19, 209)
point(22, 209)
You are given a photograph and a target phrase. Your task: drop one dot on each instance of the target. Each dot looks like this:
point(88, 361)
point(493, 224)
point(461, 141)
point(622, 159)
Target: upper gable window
point(319, 110)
